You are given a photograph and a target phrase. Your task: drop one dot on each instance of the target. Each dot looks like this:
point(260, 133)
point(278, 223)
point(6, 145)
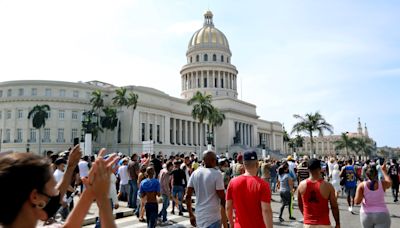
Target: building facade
point(159, 119)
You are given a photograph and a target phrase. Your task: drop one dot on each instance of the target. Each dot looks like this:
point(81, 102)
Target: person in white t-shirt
point(208, 184)
point(60, 168)
point(123, 173)
point(83, 166)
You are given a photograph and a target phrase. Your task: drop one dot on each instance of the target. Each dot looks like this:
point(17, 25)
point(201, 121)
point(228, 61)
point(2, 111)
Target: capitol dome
point(208, 36)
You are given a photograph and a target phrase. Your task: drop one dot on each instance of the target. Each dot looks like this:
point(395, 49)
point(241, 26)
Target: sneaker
point(281, 219)
point(173, 212)
point(181, 213)
point(292, 218)
point(166, 223)
point(350, 209)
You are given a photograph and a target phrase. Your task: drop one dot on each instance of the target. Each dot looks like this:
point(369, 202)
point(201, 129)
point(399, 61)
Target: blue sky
point(341, 58)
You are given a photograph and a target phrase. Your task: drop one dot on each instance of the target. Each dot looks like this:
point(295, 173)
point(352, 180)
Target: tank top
point(373, 201)
point(351, 180)
point(315, 206)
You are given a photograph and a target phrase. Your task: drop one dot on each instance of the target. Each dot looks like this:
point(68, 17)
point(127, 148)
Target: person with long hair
point(335, 179)
point(285, 185)
point(371, 194)
point(34, 195)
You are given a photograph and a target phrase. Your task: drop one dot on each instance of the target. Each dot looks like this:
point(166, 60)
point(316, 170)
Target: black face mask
point(52, 206)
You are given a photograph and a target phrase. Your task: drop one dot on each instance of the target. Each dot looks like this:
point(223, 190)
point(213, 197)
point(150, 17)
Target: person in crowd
point(38, 196)
point(302, 171)
point(274, 175)
point(142, 201)
point(364, 170)
point(83, 166)
point(350, 184)
point(178, 185)
point(265, 170)
point(150, 189)
point(58, 176)
point(124, 188)
point(165, 180)
point(156, 163)
point(394, 176)
point(371, 195)
point(225, 170)
point(208, 185)
point(238, 168)
point(314, 195)
point(285, 185)
point(335, 179)
point(133, 170)
point(254, 210)
point(331, 166)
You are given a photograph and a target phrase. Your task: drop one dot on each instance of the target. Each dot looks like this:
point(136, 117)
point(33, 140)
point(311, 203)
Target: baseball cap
point(250, 155)
point(239, 157)
point(60, 161)
point(289, 158)
point(314, 164)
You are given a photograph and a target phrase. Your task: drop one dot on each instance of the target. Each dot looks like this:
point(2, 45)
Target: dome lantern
point(208, 18)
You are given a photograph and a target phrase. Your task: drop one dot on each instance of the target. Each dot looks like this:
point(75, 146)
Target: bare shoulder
point(302, 186)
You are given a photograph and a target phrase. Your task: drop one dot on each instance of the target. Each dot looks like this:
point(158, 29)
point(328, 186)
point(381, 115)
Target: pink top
point(374, 201)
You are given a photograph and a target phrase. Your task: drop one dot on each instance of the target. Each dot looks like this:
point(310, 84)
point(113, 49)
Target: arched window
point(222, 58)
point(227, 59)
point(197, 58)
point(191, 59)
point(205, 57)
point(214, 57)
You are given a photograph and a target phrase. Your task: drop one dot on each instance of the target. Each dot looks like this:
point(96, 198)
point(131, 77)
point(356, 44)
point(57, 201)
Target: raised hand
point(74, 156)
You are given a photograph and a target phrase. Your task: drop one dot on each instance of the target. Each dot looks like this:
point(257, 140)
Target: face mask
point(52, 206)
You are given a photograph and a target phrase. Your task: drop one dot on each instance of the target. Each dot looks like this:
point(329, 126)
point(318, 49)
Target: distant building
point(325, 145)
point(160, 118)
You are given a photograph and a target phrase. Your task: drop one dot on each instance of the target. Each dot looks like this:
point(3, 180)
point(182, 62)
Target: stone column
point(186, 132)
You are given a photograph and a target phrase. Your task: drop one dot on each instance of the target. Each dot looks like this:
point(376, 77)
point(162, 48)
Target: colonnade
point(185, 132)
point(209, 79)
point(245, 133)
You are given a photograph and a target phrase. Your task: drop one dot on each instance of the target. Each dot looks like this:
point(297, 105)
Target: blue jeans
point(151, 214)
point(216, 224)
point(273, 183)
point(178, 190)
point(165, 205)
point(98, 225)
point(133, 194)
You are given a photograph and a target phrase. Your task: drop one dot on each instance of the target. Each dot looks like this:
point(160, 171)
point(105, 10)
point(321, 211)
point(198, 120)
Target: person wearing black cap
point(254, 210)
point(394, 176)
point(314, 194)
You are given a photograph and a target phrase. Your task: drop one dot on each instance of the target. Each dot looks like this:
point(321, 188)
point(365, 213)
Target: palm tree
point(120, 101)
point(109, 121)
point(202, 107)
point(215, 119)
point(97, 100)
point(286, 139)
point(39, 115)
point(312, 123)
point(365, 145)
point(345, 142)
point(132, 102)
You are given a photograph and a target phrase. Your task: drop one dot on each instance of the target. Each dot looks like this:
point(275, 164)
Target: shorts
point(350, 191)
point(286, 197)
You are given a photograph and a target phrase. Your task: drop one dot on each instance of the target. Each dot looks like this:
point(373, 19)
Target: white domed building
point(160, 122)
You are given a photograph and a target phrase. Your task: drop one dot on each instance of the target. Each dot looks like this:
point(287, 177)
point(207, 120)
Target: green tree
point(345, 142)
point(202, 107)
point(365, 145)
point(109, 121)
point(119, 100)
point(215, 119)
point(97, 102)
point(311, 123)
point(286, 140)
point(132, 102)
point(39, 115)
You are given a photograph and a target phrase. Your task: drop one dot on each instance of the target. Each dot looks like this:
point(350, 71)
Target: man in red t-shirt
point(250, 196)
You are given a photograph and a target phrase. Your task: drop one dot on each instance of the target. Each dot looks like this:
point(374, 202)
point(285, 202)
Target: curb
point(118, 215)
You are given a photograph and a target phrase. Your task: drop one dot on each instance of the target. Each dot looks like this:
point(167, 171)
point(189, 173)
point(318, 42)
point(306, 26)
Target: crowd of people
point(228, 192)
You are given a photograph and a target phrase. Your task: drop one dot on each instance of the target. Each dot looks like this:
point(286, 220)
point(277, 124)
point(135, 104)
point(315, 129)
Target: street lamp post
point(89, 121)
point(27, 147)
point(210, 138)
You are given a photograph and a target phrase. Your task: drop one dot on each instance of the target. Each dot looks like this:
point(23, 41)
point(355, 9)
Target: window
point(7, 135)
point(60, 135)
point(88, 94)
point(197, 58)
point(46, 137)
point(191, 59)
point(222, 83)
point(75, 93)
point(20, 92)
point(205, 82)
point(1, 93)
point(227, 59)
point(151, 132)
point(74, 134)
point(215, 82)
point(61, 114)
point(62, 92)
point(19, 135)
point(48, 114)
point(1, 115)
point(222, 58)
point(214, 57)
point(9, 93)
point(74, 115)
point(47, 92)
point(32, 135)
point(158, 134)
point(20, 114)
point(143, 132)
point(8, 116)
point(34, 92)
point(205, 57)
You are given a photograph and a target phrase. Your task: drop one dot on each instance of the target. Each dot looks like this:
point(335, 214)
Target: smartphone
point(76, 141)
